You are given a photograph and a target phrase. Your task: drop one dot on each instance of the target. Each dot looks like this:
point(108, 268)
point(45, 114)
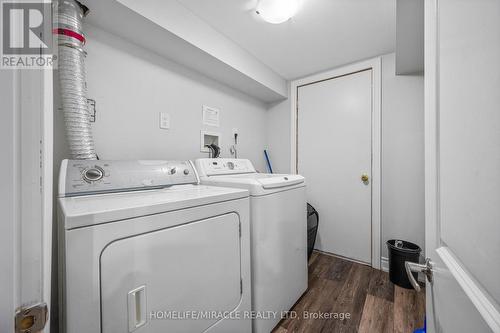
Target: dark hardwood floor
point(338, 286)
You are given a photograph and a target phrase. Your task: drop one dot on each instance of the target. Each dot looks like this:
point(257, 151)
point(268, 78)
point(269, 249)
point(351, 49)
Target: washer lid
point(268, 180)
point(101, 208)
point(257, 183)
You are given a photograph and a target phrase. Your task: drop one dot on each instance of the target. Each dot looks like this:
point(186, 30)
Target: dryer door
point(152, 282)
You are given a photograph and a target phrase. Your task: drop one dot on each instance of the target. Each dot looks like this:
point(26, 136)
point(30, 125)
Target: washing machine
point(145, 248)
point(278, 224)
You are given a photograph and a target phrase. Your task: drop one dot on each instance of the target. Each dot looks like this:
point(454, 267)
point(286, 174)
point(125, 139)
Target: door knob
point(365, 178)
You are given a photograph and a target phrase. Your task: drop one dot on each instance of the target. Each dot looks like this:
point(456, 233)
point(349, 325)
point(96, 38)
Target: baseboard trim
point(342, 257)
point(384, 264)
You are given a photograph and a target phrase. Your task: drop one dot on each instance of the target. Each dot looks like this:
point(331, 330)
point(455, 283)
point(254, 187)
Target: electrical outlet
point(164, 120)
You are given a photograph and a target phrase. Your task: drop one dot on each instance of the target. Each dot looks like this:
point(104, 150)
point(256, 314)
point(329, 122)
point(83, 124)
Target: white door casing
point(369, 138)
point(462, 159)
point(8, 203)
point(27, 194)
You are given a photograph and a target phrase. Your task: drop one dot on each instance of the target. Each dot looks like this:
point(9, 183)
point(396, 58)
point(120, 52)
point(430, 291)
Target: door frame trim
point(430, 145)
point(26, 236)
point(374, 64)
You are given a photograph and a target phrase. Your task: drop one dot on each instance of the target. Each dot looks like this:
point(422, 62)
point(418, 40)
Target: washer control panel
point(83, 177)
point(223, 166)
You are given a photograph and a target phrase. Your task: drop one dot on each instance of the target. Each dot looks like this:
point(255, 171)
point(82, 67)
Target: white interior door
point(462, 164)
point(334, 150)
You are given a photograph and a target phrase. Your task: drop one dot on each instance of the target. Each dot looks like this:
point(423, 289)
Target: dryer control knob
point(93, 174)
point(186, 172)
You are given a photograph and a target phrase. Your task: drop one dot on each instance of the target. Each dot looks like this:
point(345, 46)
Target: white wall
point(278, 135)
point(409, 36)
point(131, 86)
point(402, 152)
point(402, 155)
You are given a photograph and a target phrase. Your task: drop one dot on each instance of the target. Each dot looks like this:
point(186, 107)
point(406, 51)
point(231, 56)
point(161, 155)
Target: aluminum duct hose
point(72, 79)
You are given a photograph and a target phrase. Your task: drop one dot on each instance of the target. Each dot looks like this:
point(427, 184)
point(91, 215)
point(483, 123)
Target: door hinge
point(32, 318)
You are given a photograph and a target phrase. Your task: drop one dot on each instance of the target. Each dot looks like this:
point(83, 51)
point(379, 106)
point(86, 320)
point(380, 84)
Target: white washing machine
point(144, 247)
point(278, 224)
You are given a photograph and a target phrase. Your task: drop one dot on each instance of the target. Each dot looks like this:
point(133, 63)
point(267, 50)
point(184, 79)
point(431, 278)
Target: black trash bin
point(312, 229)
point(399, 252)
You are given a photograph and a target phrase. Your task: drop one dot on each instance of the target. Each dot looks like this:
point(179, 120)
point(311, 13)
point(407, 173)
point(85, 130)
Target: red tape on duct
point(70, 33)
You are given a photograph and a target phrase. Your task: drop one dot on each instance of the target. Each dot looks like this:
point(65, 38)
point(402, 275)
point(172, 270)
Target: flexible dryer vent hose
point(72, 79)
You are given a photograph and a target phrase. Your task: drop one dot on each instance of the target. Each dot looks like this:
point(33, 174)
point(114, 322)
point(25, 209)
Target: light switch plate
point(164, 120)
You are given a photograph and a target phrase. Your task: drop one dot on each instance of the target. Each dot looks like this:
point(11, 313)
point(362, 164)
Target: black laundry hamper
point(312, 228)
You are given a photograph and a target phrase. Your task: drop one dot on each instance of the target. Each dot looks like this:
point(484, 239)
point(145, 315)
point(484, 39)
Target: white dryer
point(278, 224)
point(144, 247)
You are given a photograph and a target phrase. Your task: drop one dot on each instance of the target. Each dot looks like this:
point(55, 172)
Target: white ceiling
point(322, 35)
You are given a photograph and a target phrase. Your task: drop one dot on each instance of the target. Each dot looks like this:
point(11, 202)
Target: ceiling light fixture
point(277, 11)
